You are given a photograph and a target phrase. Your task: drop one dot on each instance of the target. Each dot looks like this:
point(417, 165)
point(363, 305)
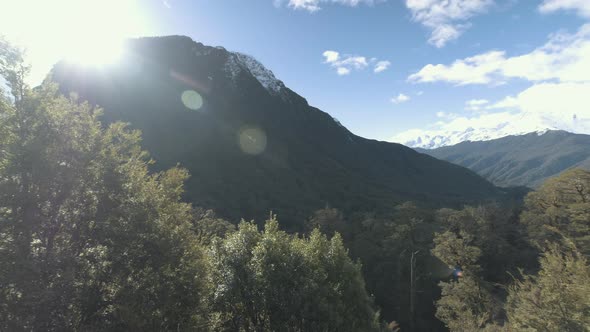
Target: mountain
point(251, 144)
point(494, 126)
point(525, 160)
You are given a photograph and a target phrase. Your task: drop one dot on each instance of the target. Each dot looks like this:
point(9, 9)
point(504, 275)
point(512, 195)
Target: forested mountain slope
point(525, 160)
point(250, 143)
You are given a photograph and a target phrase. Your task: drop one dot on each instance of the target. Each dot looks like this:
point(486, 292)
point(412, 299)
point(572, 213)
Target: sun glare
point(88, 32)
point(97, 53)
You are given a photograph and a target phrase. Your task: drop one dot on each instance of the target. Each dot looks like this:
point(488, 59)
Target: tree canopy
point(273, 281)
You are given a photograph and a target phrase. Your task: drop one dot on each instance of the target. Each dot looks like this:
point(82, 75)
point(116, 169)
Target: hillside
point(525, 160)
point(250, 143)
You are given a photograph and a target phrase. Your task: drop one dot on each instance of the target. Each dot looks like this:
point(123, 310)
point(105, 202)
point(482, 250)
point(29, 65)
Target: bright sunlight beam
point(88, 32)
point(100, 53)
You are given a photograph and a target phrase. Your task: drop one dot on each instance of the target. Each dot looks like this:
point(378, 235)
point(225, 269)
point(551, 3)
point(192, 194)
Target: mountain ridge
point(503, 125)
point(308, 159)
point(520, 160)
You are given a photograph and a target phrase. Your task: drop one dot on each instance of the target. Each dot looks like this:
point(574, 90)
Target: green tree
point(557, 299)
point(328, 220)
point(207, 226)
point(397, 267)
point(457, 250)
point(560, 209)
point(497, 233)
point(466, 304)
point(89, 239)
point(272, 281)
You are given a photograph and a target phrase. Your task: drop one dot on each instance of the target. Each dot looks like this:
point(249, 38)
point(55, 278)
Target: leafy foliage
point(272, 281)
point(208, 226)
point(557, 299)
point(465, 305)
point(455, 250)
point(88, 238)
point(491, 229)
point(397, 268)
point(560, 209)
point(485, 242)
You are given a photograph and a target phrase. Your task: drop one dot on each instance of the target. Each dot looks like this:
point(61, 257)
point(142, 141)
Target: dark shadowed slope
point(525, 160)
point(254, 145)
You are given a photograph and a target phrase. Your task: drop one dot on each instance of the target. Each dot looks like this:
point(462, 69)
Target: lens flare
point(192, 100)
point(252, 140)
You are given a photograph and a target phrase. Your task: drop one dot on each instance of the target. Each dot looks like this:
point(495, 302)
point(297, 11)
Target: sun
point(104, 25)
point(97, 29)
point(88, 32)
point(96, 53)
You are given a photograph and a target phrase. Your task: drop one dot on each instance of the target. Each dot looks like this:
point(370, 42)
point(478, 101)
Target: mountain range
point(520, 160)
point(251, 144)
point(496, 126)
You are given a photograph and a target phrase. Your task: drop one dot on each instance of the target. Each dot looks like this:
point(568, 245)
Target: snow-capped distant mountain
point(524, 160)
point(502, 125)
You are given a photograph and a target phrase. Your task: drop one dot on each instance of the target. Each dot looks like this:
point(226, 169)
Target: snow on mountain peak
point(511, 124)
point(237, 62)
point(541, 107)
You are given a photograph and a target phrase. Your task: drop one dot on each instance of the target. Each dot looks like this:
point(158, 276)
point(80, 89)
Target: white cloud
point(401, 98)
point(345, 64)
point(582, 7)
point(565, 58)
point(342, 71)
point(356, 62)
point(543, 106)
point(475, 104)
point(444, 33)
point(472, 70)
point(446, 18)
point(381, 66)
point(508, 102)
point(445, 115)
point(331, 56)
point(551, 99)
point(315, 5)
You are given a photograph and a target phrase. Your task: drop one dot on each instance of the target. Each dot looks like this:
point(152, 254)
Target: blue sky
point(291, 38)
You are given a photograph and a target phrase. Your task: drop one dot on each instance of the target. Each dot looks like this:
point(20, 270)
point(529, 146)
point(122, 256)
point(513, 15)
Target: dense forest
point(92, 239)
